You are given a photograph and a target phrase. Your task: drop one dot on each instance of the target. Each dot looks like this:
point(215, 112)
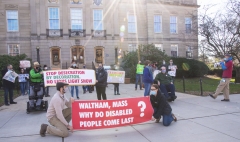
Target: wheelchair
point(44, 104)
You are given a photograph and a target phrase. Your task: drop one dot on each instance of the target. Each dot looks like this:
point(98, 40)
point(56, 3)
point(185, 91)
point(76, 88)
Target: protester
point(8, 86)
point(58, 116)
point(147, 78)
point(74, 66)
point(165, 82)
point(227, 67)
point(101, 82)
point(164, 64)
point(154, 66)
point(116, 88)
point(86, 87)
point(161, 107)
point(172, 69)
point(46, 89)
point(139, 73)
point(36, 86)
point(23, 83)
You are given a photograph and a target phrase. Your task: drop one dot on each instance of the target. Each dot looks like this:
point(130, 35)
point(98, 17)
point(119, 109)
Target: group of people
point(155, 83)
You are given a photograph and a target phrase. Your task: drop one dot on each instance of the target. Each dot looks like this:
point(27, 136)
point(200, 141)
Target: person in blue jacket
point(147, 78)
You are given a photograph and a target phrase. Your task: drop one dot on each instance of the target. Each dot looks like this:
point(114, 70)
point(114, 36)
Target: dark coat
point(7, 84)
point(101, 76)
point(160, 103)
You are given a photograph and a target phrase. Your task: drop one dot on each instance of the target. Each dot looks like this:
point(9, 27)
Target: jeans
point(138, 78)
point(8, 91)
point(101, 93)
point(39, 97)
point(168, 87)
point(167, 119)
point(72, 90)
point(22, 87)
point(116, 88)
point(147, 87)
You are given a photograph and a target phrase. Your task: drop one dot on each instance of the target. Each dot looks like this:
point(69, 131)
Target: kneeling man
point(57, 116)
point(165, 82)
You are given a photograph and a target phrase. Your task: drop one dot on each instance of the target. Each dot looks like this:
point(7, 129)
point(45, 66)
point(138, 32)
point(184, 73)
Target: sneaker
point(157, 120)
point(7, 104)
point(212, 96)
point(225, 100)
point(174, 117)
point(78, 98)
point(43, 129)
point(13, 102)
point(90, 91)
point(118, 94)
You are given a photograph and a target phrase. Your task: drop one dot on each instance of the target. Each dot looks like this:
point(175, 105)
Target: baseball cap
point(60, 85)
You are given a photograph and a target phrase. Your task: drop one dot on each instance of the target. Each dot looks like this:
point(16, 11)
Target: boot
point(43, 130)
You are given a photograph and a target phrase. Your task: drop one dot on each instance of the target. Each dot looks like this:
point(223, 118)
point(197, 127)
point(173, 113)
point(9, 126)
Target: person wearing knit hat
point(59, 116)
point(36, 79)
point(227, 67)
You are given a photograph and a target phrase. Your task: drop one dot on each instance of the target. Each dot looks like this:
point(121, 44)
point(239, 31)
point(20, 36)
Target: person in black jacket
point(161, 106)
point(8, 87)
point(101, 82)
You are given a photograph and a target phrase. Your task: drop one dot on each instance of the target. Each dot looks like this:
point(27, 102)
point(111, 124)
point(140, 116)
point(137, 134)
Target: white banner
point(173, 69)
point(22, 77)
point(73, 77)
point(10, 76)
point(25, 64)
point(116, 76)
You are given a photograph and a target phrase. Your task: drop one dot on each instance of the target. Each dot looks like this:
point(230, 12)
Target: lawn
point(15, 94)
point(209, 85)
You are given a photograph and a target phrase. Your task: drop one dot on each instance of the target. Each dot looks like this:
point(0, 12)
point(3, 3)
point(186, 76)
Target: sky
point(219, 4)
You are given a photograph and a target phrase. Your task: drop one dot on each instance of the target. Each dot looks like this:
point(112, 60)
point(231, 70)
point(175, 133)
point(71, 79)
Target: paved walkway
point(200, 119)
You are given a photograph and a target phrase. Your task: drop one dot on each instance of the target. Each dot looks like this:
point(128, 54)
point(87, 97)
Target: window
point(13, 49)
point(78, 54)
point(76, 19)
point(54, 22)
point(157, 24)
point(188, 25)
point(189, 52)
point(159, 47)
point(131, 24)
point(173, 24)
point(12, 21)
point(98, 19)
point(132, 47)
point(174, 50)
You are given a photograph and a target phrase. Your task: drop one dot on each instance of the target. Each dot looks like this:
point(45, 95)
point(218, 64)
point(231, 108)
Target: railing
point(54, 32)
point(74, 33)
point(99, 33)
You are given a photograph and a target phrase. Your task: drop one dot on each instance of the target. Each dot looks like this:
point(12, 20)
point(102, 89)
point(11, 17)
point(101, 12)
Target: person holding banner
point(58, 116)
point(101, 82)
point(161, 107)
point(22, 81)
point(147, 78)
point(172, 69)
point(8, 86)
point(139, 74)
point(74, 66)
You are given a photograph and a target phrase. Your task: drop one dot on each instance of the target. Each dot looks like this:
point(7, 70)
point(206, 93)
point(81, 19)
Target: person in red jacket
point(227, 67)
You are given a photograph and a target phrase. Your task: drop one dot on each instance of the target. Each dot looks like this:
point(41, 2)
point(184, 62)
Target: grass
point(15, 94)
point(209, 85)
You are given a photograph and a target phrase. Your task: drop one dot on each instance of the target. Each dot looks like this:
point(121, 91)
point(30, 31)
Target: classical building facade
point(89, 30)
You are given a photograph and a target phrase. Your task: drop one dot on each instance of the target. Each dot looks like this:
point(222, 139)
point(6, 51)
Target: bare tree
point(221, 32)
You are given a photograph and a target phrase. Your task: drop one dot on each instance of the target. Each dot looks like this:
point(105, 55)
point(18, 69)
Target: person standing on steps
point(227, 67)
point(101, 82)
point(139, 73)
point(59, 116)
